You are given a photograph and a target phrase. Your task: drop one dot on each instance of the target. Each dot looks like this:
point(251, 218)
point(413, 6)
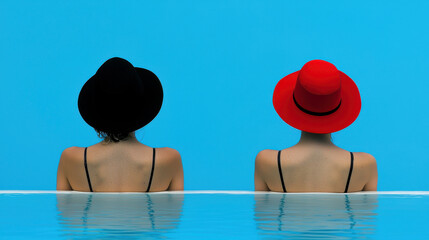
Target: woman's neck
point(315, 138)
point(131, 138)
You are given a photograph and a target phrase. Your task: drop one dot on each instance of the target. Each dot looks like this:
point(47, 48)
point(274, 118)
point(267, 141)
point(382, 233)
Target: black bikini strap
point(151, 172)
point(280, 171)
point(86, 170)
point(350, 172)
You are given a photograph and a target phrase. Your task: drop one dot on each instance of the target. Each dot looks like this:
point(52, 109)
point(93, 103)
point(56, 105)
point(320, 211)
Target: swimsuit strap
point(280, 171)
point(86, 170)
point(151, 172)
point(350, 172)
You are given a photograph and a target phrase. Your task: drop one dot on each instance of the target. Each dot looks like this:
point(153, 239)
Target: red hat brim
point(288, 111)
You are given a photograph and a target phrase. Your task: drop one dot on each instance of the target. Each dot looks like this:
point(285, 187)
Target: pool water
point(213, 215)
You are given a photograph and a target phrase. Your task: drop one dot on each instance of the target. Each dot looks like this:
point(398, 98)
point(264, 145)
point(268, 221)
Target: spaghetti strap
point(86, 170)
point(350, 172)
point(151, 172)
point(280, 171)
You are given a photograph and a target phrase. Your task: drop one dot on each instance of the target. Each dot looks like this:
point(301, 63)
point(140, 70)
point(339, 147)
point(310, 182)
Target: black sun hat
point(120, 97)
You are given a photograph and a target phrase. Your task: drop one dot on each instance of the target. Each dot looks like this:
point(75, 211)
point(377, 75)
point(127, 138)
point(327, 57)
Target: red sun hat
point(318, 99)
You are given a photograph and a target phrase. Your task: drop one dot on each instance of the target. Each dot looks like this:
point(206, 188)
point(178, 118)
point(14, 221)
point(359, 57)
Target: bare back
point(315, 168)
point(120, 167)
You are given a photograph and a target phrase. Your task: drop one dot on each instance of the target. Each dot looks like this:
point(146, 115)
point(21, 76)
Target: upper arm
point(260, 184)
point(177, 180)
point(62, 181)
point(371, 185)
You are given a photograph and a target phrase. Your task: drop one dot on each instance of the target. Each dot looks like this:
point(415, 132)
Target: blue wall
point(219, 62)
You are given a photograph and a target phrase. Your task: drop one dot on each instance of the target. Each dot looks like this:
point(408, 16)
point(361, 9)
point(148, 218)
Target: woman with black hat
point(317, 100)
point(118, 100)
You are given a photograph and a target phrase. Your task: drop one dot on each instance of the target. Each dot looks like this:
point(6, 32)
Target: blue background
point(219, 62)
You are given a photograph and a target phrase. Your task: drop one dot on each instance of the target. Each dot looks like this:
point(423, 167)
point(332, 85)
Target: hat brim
point(288, 111)
point(140, 113)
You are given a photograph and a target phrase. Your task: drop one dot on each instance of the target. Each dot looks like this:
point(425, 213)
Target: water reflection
point(101, 216)
point(307, 216)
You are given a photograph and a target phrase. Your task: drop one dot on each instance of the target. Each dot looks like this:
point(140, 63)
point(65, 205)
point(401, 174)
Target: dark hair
point(112, 137)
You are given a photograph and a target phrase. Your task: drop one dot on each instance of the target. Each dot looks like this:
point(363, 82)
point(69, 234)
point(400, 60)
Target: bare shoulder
point(365, 158)
point(72, 153)
point(266, 157)
point(167, 155)
point(367, 163)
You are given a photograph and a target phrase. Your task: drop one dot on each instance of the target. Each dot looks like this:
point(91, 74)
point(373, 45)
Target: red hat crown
point(318, 88)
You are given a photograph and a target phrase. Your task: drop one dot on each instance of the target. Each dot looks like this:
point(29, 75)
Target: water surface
point(214, 215)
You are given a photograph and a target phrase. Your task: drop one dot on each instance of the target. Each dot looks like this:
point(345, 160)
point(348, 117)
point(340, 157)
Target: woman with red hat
point(318, 100)
point(118, 100)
